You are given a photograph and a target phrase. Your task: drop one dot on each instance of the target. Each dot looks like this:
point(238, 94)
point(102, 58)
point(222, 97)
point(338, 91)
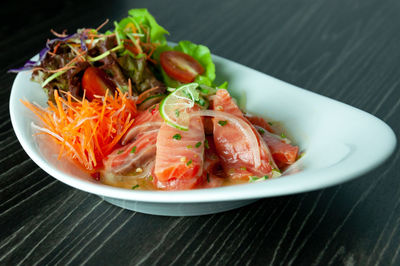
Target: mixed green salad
point(134, 54)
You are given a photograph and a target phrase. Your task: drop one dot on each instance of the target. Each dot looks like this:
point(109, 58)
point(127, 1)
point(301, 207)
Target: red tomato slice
point(95, 82)
point(180, 66)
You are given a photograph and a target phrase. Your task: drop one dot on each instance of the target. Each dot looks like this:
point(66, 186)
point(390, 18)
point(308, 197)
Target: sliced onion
point(150, 101)
point(147, 94)
point(135, 130)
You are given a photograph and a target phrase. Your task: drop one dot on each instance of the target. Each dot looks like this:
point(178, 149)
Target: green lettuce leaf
point(141, 18)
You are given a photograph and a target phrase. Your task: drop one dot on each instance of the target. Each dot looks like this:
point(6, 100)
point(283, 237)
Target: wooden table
point(346, 50)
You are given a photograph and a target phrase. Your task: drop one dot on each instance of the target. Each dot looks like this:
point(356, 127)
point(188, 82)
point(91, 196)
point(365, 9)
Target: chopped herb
point(189, 146)
point(257, 179)
point(206, 144)
point(177, 113)
point(120, 151)
point(261, 131)
point(208, 178)
point(201, 102)
point(276, 173)
point(198, 144)
point(177, 136)
point(276, 170)
point(135, 186)
point(152, 108)
point(189, 162)
point(133, 149)
point(301, 155)
point(270, 123)
point(243, 168)
point(150, 178)
point(253, 178)
point(222, 123)
point(283, 136)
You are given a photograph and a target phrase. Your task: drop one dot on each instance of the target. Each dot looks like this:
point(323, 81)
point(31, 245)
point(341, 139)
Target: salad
point(136, 112)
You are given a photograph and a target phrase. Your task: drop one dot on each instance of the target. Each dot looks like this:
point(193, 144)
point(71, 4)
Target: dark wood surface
point(346, 50)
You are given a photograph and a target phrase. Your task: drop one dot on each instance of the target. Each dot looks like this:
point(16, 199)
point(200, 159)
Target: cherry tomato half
point(95, 82)
point(180, 66)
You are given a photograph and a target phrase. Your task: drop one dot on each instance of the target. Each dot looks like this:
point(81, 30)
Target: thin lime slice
point(175, 108)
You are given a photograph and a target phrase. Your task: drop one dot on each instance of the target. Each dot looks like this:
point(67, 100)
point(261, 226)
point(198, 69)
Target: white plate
point(340, 143)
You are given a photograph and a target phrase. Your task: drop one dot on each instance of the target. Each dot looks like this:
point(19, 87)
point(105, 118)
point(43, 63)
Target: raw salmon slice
point(146, 120)
point(243, 153)
point(259, 121)
point(179, 156)
point(133, 156)
point(213, 173)
point(283, 153)
point(138, 145)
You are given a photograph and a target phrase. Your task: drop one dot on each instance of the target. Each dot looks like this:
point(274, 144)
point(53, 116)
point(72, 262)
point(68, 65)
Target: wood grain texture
point(346, 50)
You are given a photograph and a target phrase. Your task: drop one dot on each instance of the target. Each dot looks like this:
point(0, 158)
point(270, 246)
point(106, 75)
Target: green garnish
point(198, 144)
point(120, 151)
point(257, 179)
point(276, 173)
point(222, 123)
point(151, 178)
point(201, 102)
point(261, 131)
point(204, 91)
point(177, 113)
point(189, 146)
point(270, 123)
point(243, 168)
point(106, 53)
point(135, 186)
point(283, 136)
point(133, 149)
point(177, 136)
point(152, 108)
point(206, 144)
point(189, 162)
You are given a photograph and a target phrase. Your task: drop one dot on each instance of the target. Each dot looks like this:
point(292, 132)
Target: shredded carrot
point(102, 25)
point(59, 35)
point(129, 87)
point(131, 27)
point(87, 131)
point(146, 94)
point(56, 47)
